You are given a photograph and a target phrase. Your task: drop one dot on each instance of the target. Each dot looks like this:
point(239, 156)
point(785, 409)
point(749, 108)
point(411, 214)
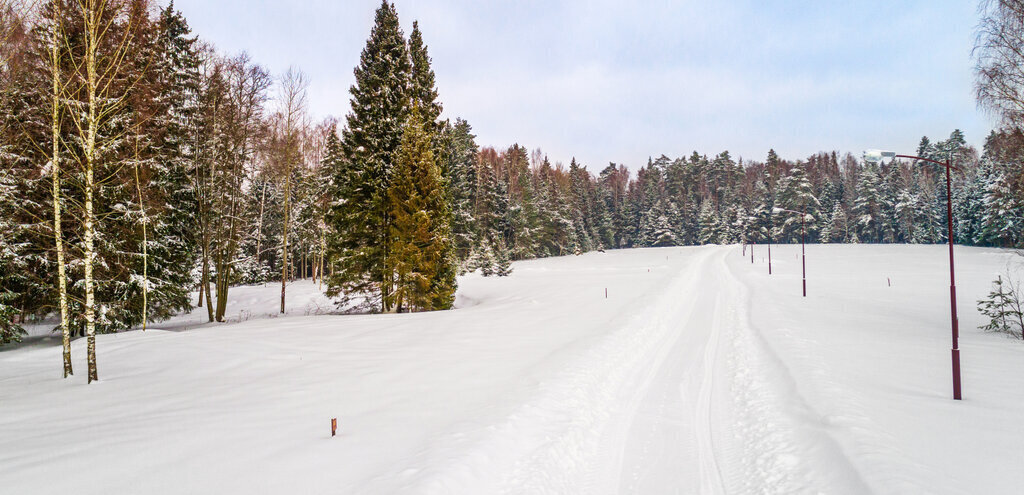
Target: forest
point(143, 173)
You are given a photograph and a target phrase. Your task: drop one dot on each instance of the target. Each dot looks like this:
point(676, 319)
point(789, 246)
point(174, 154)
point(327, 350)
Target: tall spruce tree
point(423, 95)
point(420, 234)
point(796, 193)
point(422, 89)
point(12, 265)
point(171, 245)
point(458, 162)
point(360, 219)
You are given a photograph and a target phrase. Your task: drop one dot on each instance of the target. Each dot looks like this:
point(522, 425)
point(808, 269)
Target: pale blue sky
point(614, 80)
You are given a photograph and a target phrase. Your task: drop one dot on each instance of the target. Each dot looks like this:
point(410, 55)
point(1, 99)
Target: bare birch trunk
point(92, 47)
point(284, 248)
point(58, 235)
point(145, 247)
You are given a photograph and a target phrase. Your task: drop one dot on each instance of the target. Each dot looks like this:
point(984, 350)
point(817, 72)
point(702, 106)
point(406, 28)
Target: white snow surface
point(699, 373)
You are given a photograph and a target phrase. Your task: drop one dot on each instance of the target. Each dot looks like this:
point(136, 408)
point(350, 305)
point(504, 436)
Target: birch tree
point(292, 101)
point(108, 40)
point(56, 54)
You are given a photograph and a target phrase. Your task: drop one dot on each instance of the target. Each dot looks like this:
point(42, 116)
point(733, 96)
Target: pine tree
point(360, 219)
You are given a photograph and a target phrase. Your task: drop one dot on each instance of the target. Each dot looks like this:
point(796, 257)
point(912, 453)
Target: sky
point(621, 81)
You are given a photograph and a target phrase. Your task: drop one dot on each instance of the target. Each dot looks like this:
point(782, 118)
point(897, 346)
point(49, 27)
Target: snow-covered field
point(699, 373)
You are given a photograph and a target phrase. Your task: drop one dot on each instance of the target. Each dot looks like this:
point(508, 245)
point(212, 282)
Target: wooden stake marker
point(334, 426)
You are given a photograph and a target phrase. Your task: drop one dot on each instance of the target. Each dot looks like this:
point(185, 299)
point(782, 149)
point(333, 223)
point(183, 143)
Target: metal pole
point(803, 250)
point(952, 289)
point(955, 352)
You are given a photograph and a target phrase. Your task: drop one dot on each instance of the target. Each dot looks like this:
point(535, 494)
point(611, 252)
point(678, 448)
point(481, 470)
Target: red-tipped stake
point(334, 426)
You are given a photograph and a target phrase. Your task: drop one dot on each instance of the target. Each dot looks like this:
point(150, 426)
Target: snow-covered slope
point(697, 373)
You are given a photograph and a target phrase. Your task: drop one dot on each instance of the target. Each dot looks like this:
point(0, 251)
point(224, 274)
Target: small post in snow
point(334, 426)
point(606, 293)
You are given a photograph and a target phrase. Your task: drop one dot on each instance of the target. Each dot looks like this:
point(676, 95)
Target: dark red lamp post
point(803, 241)
point(876, 156)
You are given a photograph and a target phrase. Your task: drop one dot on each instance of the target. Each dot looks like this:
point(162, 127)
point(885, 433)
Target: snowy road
point(698, 373)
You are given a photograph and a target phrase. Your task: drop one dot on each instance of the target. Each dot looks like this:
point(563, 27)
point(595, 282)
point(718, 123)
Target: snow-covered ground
point(698, 373)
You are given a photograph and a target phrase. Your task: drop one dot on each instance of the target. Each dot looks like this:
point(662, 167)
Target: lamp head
point(877, 156)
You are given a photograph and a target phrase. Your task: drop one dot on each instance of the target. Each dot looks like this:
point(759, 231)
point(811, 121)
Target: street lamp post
point(803, 241)
point(876, 156)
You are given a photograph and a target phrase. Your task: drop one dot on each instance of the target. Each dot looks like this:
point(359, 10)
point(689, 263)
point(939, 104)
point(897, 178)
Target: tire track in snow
point(679, 440)
point(787, 451)
point(710, 474)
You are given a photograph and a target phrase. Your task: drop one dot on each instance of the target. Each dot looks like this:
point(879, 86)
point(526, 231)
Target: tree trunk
point(204, 284)
point(284, 247)
point(259, 228)
point(58, 235)
point(92, 46)
point(323, 255)
point(145, 248)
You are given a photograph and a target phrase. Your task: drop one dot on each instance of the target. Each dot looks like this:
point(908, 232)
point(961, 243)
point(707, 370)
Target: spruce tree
point(796, 193)
point(710, 227)
point(12, 265)
point(867, 210)
point(1003, 308)
point(171, 243)
point(360, 218)
point(423, 90)
point(423, 95)
point(502, 262)
point(420, 234)
point(484, 259)
point(458, 162)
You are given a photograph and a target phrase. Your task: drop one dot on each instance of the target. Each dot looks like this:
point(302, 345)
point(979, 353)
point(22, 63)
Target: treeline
point(139, 166)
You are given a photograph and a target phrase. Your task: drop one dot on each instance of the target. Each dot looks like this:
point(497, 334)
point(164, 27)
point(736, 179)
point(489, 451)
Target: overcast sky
point(619, 81)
